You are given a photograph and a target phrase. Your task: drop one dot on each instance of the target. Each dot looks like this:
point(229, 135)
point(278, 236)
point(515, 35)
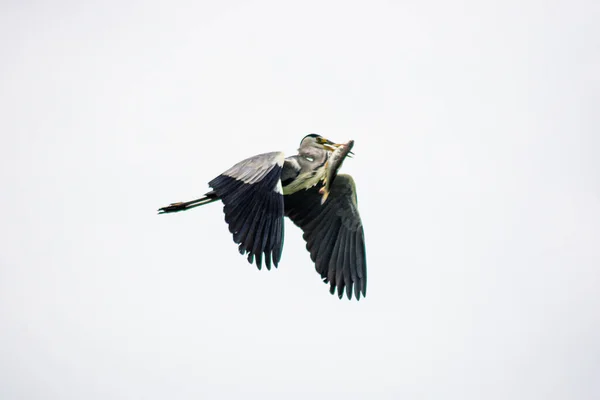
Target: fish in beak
point(331, 146)
point(332, 166)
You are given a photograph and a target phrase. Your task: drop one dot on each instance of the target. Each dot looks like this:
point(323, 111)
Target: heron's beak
point(331, 146)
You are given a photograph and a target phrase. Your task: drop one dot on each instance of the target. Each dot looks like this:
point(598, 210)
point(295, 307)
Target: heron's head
point(313, 153)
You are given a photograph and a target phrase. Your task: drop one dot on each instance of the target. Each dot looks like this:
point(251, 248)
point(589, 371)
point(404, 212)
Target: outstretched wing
point(253, 204)
point(334, 234)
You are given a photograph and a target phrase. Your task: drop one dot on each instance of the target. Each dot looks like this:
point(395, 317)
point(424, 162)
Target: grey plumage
point(259, 191)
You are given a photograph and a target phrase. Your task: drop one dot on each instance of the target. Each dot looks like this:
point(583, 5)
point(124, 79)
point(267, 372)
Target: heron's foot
point(173, 207)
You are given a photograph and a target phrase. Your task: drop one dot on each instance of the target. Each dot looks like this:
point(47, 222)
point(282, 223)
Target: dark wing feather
point(334, 235)
point(253, 206)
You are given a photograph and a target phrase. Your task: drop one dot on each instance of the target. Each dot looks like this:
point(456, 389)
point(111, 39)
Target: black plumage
point(334, 235)
point(253, 212)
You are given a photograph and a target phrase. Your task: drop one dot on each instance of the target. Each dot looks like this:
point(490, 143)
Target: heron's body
point(259, 191)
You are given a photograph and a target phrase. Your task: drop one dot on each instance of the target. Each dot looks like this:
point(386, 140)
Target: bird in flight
point(259, 191)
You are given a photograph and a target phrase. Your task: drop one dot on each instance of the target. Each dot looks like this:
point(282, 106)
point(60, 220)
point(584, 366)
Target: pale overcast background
point(477, 139)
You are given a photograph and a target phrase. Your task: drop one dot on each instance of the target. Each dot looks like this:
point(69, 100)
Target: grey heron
point(259, 191)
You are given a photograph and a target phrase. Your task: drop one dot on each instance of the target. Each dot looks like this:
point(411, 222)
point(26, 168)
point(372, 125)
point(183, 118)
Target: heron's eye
point(309, 158)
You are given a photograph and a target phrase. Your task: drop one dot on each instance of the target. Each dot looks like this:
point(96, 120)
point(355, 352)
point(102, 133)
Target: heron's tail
point(182, 206)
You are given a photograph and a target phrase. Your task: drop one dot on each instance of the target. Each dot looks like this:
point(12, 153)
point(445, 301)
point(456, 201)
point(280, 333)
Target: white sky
point(477, 140)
